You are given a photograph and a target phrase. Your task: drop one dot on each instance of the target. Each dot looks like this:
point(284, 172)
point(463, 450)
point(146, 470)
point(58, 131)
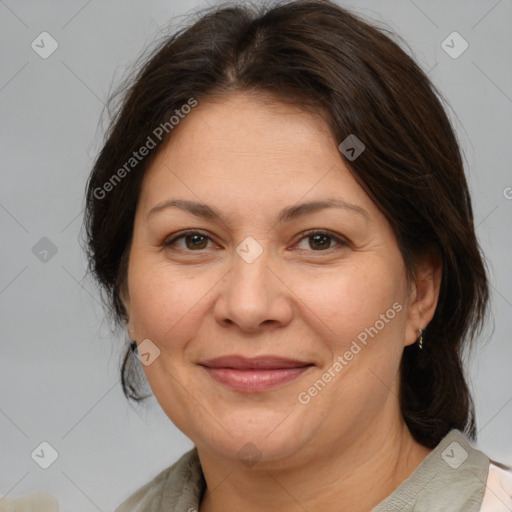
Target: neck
point(353, 478)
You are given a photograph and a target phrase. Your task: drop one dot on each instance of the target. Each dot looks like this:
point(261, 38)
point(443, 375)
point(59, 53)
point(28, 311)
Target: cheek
point(360, 316)
point(165, 306)
point(376, 312)
point(349, 301)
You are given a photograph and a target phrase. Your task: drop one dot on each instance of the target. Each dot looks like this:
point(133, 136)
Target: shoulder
point(174, 488)
point(451, 478)
point(498, 491)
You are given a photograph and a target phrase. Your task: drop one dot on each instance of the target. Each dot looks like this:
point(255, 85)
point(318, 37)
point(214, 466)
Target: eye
point(193, 240)
point(321, 240)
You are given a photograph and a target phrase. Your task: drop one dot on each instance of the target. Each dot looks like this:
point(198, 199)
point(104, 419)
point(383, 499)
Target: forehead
point(251, 128)
point(252, 150)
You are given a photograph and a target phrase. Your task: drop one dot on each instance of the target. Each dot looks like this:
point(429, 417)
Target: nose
point(253, 295)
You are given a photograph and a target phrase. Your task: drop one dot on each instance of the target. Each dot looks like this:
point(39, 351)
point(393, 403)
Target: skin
point(249, 157)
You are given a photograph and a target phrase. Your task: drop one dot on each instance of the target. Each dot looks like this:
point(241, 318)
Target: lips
point(252, 375)
point(237, 362)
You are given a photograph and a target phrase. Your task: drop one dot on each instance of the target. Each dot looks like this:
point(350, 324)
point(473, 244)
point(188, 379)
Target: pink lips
point(254, 374)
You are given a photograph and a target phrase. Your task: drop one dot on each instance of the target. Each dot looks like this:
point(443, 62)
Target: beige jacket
point(454, 477)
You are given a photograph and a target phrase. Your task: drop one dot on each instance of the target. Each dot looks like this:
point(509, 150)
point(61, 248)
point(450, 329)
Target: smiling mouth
point(253, 375)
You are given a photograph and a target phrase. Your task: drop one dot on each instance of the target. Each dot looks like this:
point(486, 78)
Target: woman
point(281, 220)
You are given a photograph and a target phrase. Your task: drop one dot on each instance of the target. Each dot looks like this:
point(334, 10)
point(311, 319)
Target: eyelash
point(168, 243)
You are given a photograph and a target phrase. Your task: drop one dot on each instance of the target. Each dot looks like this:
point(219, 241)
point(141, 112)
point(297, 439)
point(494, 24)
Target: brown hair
point(318, 56)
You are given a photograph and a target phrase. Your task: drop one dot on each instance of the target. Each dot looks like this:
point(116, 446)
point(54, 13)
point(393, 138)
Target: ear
point(423, 295)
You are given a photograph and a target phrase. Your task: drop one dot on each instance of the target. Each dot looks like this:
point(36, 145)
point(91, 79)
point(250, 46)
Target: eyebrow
point(286, 215)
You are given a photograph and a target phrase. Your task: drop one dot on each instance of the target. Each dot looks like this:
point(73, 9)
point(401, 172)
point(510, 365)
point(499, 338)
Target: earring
point(420, 341)
point(133, 346)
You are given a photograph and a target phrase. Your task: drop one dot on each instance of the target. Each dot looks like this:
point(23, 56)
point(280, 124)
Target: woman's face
point(252, 283)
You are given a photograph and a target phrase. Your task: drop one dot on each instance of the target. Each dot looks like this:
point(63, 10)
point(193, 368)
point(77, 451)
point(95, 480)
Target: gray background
point(59, 366)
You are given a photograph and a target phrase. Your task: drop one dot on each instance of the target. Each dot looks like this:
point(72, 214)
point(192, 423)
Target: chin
point(269, 440)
